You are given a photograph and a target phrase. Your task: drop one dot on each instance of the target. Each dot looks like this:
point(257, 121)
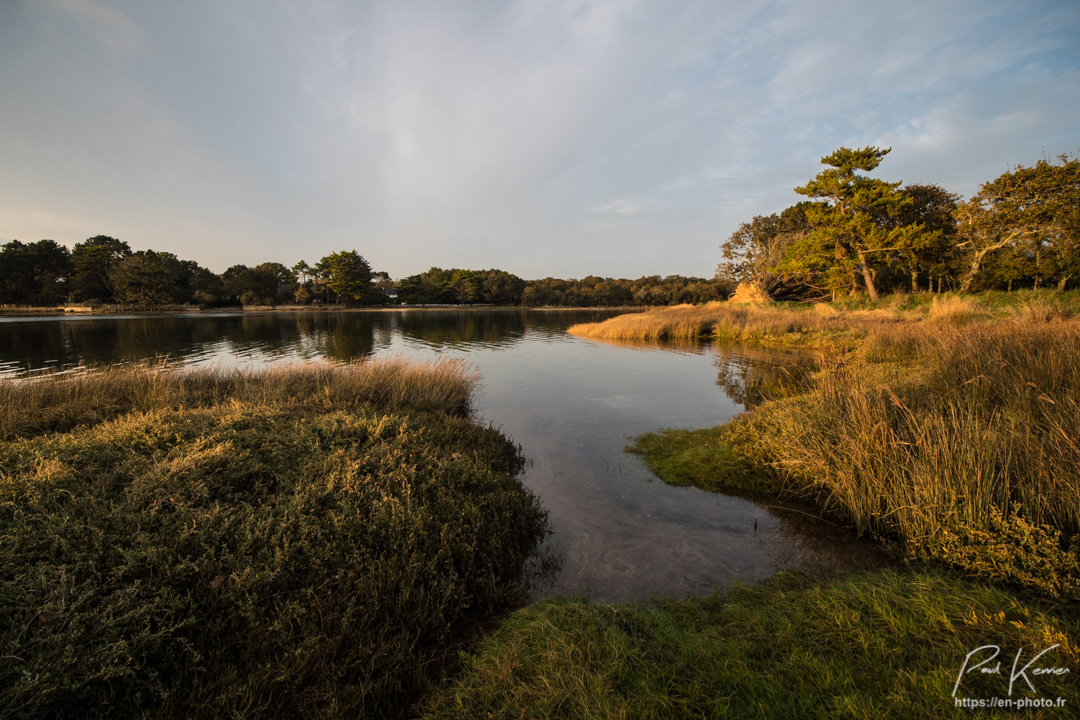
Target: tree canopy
point(348, 274)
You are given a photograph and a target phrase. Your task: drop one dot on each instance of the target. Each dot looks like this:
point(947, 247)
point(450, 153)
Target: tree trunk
point(868, 278)
point(977, 258)
point(1062, 282)
point(976, 265)
point(914, 281)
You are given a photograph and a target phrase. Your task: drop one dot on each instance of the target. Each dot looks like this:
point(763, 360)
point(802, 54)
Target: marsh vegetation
point(945, 428)
point(314, 541)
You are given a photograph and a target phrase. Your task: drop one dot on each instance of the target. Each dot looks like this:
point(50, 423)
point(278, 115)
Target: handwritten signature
point(1026, 672)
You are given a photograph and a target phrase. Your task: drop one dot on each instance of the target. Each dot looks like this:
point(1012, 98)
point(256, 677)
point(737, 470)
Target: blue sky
point(543, 137)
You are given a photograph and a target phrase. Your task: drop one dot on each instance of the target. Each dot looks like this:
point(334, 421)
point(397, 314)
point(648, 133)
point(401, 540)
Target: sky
point(562, 138)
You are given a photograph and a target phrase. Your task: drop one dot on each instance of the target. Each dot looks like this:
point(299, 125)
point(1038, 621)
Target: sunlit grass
point(832, 326)
point(59, 402)
point(310, 541)
point(880, 644)
point(958, 436)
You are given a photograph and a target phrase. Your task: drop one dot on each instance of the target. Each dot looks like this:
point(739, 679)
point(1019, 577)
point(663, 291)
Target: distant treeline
point(497, 287)
point(103, 270)
point(859, 234)
point(854, 234)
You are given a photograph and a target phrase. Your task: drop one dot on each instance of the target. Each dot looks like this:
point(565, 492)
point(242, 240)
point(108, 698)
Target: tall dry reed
point(938, 428)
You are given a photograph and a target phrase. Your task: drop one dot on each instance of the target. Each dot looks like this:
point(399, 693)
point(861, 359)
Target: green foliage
point(151, 278)
point(595, 291)
point(34, 273)
point(255, 283)
point(1027, 222)
point(92, 262)
point(756, 249)
point(1008, 550)
point(458, 287)
point(882, 644)
point(261, 551)
point(850, 228)
point(347, 274)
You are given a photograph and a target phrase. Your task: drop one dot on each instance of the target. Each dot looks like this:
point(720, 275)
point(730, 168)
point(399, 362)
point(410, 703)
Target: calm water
point(571, 404)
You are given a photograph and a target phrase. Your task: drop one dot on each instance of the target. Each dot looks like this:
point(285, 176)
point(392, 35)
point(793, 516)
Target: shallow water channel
point(572, 405)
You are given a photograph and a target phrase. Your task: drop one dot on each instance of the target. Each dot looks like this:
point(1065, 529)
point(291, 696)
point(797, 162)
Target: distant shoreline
point(81, 311)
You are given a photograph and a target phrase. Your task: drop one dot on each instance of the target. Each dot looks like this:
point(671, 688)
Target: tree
point(933, 209)
point(259, 284)
point(348, 275)
point(149, 278)
point(34, 273)
point(304, 275)
point(92, 262)
point(1030, 212)
point(756, 249)
point(848, 228)
point(464, 286)
point(1031, 206)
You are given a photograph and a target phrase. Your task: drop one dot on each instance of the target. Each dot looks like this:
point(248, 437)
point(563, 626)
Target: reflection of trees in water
point(342, 336)
point(494, 328)
point(105, 340)
point(334, 335)
point(750, 375)
point(450, 328)
point(194, 338)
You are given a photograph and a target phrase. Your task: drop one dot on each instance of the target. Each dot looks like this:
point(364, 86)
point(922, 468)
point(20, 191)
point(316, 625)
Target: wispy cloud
point(110, 26)
point(486, 133)
point(621, 206)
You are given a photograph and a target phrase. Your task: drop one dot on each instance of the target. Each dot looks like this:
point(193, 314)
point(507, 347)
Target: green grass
point(882, 644)
point(699, 458)
point(310, 542)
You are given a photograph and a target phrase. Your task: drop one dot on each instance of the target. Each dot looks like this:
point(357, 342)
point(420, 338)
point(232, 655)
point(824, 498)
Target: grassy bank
point(883, 644)
point(831, 326)
point(955, 432)
point(305, 542)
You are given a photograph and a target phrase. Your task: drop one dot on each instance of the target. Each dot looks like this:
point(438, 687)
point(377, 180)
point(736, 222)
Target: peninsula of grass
point(312, 541)
point(835, 327)
point(699, 458)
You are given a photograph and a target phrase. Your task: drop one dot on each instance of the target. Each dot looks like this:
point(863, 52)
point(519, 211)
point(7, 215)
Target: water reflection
point(239, 338)
point(751, 375)
point(572, 405)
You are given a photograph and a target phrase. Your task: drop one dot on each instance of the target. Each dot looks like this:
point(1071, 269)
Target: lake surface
point(572, 404)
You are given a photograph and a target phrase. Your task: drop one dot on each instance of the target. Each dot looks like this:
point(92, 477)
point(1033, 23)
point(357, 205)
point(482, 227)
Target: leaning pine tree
point(851, 228)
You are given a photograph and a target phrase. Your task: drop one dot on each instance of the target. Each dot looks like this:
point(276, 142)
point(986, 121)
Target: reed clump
point(838, 326)
point(958, 437)
point(313, 541)
point(686, 322)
